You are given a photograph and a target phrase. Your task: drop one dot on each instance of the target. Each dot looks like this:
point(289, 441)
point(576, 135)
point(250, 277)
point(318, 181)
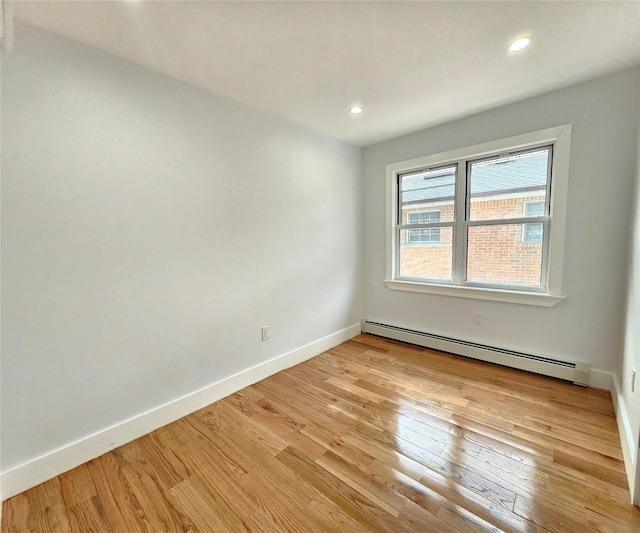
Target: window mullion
point(427, 225)
point(459, 231)
point(507, 221)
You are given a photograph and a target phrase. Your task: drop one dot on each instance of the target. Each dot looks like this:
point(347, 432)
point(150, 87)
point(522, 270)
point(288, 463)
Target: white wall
point(587, 326)
point(630, 401)
point(149, 230)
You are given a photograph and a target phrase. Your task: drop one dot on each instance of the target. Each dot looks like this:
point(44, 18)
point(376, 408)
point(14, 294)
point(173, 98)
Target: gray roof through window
point(501, 175)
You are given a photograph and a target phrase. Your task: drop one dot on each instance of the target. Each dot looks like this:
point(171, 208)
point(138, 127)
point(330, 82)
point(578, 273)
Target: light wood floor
point(372, 436)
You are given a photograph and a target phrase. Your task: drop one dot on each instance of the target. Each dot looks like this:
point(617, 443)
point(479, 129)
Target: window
point(423, 235)
point(496, 211)
point(533, 232)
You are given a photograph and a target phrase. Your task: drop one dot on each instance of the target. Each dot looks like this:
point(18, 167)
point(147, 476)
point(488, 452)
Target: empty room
point(320, 266)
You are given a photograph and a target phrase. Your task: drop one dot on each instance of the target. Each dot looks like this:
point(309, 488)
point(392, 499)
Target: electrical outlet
point(633, 380)
point(372, 287)
point(478, 318)
point(266, 333)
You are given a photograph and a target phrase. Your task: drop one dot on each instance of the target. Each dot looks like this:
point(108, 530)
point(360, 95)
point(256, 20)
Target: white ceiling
point(410, 64)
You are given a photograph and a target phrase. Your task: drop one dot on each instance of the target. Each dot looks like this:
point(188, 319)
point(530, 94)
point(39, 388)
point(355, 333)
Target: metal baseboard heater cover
point(578, 373)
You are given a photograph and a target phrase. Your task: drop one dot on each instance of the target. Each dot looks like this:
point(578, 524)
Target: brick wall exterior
point(507, 260)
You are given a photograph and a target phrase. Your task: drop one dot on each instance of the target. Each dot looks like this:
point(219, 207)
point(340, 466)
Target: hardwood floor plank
point(203, 511)
point(362, 483)
point(510, 522)
point(317, 417)
point(176, 434)
point(464, 520)
point(127, 453)
point(385, 455)
point(201, 455)
point(605, 491)
point(341, 494)
point(47, 509)
point(596, 464)
point(15, 515)
point(77, 486)
point(359, 392)
point(287, 516)
point(169, 467)
point(491, 440)
point(371, 436)
point(120, 504)
point(615, 514)
point(246, 404)
point(254, 431)
point(537, 489)
point(287, 388)
point(408, 487)
point(458, 494)
point(543, 432)
point(606, 523)
point(381, 388)
point(278, 420)
point(458, 474)
point(510, 467)
point(155, 499)
point(332, 519)
point(555, 471)
point(548, 518)
point(338, 446)
point(421, 520)
point(211, 416)
point(89, 516)
point(348, 419)
point(492, 420)
point(239, 511)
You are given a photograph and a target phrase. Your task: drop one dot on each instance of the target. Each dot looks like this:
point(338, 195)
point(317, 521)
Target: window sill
point(495, 295)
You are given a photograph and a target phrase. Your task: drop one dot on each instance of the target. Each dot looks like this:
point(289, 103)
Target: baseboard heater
point(578, 373)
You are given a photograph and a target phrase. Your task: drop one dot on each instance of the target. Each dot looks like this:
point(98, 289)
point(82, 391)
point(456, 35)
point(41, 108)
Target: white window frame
point(551, 294)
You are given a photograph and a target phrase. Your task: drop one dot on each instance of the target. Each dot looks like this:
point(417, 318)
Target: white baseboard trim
point(626, 435)
point(599, 379)
point(56, 462)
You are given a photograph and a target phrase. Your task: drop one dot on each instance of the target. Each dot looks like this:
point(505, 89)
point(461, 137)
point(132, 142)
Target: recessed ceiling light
point(356, 109)
point(519, 44)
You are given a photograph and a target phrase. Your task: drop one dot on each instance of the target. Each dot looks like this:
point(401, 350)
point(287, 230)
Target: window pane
point(532, 232)
point(534, 209)
point(498, 255)
point(424, 235)
point(426, 259)
point(427, 191)
point(501, 187)
point(423, 217)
